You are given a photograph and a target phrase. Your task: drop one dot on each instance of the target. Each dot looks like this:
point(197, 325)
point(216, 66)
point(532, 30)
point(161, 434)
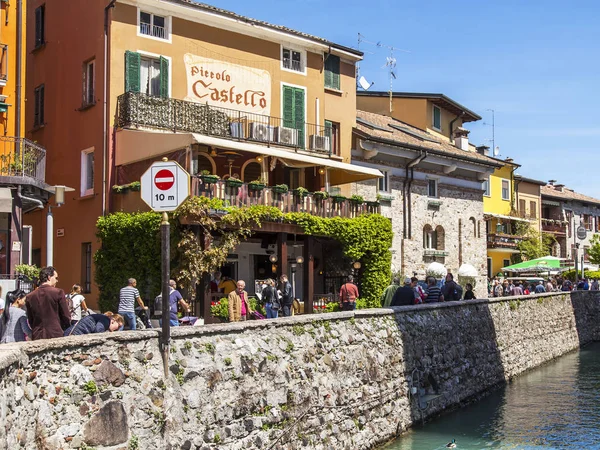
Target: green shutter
point(288, 107)
point(164, 77)
point(332, 72)
point(299, 114)
point(132, 71)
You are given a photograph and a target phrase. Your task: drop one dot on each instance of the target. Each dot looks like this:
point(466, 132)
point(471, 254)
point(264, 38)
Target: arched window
point(440, 237)
point(429, 238)
point(474, 223)
point(251, 171)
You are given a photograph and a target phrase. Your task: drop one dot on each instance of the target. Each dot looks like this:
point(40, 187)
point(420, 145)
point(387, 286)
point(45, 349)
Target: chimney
point(551, 182)
point(461, 138)
point(559, 187)
point(483, 150)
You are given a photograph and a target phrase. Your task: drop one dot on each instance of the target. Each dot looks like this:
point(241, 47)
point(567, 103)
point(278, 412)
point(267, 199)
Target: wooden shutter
point(42, 104)
point(288, 107)
point(164, 77)
point(132, 71)
point(299, 114)
point(332, 72)
point(39, 26)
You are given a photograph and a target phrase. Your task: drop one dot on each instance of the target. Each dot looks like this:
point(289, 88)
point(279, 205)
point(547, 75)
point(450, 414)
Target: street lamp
point(59, 198)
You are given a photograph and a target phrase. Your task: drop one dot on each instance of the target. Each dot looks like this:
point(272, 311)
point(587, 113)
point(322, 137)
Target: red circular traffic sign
point(164, 179)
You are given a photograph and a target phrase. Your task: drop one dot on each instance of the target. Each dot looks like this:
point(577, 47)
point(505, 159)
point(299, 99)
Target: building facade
point(432, 184)
point(222, 94)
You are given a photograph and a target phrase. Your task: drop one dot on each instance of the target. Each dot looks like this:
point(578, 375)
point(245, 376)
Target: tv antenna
point(362, 81)
point(496, 150)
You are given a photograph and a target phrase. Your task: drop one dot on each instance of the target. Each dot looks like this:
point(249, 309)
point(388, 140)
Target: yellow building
point(528, 200)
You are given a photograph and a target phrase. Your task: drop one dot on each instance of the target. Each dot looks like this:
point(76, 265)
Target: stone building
point(432, 185)
point(563, 212)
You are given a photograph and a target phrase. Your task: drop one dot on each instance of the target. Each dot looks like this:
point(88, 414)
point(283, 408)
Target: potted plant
point(373, 204)
point(233, 182)
point(301, 192)
point(357, 199)
point(120, 189)
point(135, 186)
point(320, 195)
point(208, 177)
point(257, 185)
point(338, 198)
point(281, 188)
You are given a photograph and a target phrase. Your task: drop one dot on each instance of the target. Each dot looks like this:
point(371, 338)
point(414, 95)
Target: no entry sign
point(165, 185)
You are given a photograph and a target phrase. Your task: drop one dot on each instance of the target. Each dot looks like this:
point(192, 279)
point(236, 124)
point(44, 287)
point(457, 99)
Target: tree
point(594, 250)
point(534, 244)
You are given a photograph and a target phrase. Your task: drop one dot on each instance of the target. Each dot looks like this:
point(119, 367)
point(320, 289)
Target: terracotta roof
point(250, 21)
point(566, 194)
point(529, 180)
point(388, 130)
point(439, 99)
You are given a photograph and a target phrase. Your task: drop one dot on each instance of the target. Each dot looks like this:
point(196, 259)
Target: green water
point(554, 407)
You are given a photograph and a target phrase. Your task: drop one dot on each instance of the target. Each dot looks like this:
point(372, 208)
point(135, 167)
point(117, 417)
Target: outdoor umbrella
point(544, 264)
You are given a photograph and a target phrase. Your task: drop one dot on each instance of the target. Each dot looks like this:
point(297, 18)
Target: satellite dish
point(496, 151)
point(362, 81)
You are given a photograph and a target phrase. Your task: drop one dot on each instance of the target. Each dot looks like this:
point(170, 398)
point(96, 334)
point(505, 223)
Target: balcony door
point(294, 110)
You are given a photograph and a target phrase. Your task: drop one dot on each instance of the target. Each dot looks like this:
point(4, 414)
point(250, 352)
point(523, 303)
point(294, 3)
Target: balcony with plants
point(23, 158)
point(138, 110)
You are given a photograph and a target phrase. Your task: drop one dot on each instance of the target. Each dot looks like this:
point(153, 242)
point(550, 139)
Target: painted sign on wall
point(228, 85)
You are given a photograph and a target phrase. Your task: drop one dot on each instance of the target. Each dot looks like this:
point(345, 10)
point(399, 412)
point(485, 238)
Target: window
point(89, 82)
point(153, 25)
point(293, 60)
point(332, 129)
point(293, 110)
point(489, 267)
point(440, 236)
point(384, 182)
point(587, 222)
point(505, 262)
point(437, 118)
point(147, 75)
point(40, 26)
point(87, 172)
point(505, 190)
point(432, 190)
point(522, 208)
point(533, 210)
point(486, 187)
point(332, 71)
point(86, 267)
point(38, 108)
point(429, 238)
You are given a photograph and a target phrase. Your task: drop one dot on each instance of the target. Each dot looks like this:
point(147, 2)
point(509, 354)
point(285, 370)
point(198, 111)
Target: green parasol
point(544, 264)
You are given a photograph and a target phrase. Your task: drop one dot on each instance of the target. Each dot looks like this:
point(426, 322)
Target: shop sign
point(219, 83)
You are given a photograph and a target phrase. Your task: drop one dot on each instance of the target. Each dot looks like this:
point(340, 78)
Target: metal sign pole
point(165, 337)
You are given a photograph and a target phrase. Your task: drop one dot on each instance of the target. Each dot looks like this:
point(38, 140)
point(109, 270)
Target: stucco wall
point(331, 381)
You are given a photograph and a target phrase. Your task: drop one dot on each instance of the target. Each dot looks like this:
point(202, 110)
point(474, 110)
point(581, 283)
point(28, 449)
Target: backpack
point(458, 292)
point(70, 303)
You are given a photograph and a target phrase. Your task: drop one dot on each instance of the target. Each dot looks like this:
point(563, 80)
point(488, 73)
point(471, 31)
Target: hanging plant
point(233, 182)
point(338, 198)
point(357, 199)
point(257, 185)
point(320, 195)
point(280, 188)
point(301, 192)
point(208, 177)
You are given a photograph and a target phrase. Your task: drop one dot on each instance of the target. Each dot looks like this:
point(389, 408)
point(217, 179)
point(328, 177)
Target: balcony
point(557, 227)
point(153, 30)
point(136, 110)
point(245, 195)
point(22, 158)
point(501, 240)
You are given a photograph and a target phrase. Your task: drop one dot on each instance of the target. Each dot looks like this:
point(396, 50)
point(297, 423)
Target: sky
point(534, 62)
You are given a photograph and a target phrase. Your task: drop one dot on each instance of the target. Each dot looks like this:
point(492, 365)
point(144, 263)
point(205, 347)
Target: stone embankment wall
point(340, 380)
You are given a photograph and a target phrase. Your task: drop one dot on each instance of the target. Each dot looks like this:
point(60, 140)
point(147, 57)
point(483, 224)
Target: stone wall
point(340, 380)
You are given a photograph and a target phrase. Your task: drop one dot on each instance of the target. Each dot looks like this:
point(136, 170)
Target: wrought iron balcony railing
point(22, 158)
point(501, 240)
point(137, 110)
point(554, 226)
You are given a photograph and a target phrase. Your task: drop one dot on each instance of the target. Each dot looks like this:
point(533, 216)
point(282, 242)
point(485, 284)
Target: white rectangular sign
point(228, 85)
point(165, 185)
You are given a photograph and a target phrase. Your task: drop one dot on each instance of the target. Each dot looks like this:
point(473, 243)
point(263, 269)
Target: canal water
point(554, 407)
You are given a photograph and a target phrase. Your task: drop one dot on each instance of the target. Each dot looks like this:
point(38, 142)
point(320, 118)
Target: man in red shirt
point(348, 295)
point(47, 310)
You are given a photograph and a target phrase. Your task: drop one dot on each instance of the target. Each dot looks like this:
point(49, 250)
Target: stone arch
point(251, 170)
point(429, 238)
point(205, 162)
point(440, 237)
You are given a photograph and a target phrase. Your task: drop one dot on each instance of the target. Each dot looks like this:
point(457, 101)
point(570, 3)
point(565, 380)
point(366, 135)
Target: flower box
point(338, 198)
point(256, 186)
point(209, 179)
point(320, 195)
point(301, 192)
point(234, 183)
point(280, 189)
point(374, 204)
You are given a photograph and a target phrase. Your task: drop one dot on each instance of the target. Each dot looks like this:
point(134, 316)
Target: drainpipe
point(406, 201)
point(38, 203)
point(105, 122)
point(19, 69)
point(462, 113)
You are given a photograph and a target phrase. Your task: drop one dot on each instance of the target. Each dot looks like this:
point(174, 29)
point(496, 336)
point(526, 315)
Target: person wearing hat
point(404, 295)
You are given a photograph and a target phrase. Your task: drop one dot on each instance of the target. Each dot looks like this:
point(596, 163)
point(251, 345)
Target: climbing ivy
point(131, 244)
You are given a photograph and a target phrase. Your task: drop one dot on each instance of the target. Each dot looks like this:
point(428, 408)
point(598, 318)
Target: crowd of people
point(412, 293)
point(509, 287)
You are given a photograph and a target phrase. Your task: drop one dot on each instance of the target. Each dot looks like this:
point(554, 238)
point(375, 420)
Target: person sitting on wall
point(405, 295)
point(96, 323)
point(238, 303)
point(433, 293)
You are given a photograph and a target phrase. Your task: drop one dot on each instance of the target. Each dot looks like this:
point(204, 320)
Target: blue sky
point(534, 62)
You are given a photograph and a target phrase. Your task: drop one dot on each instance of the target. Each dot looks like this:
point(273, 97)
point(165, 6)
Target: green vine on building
point(131, 245)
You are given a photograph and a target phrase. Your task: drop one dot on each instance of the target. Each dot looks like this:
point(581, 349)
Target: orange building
point(129, 82)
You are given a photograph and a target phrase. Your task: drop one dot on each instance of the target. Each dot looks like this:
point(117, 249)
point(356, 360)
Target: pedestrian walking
point(404, 295)
point(271, 299)
point(433, 293)
point(348, 295)
point(388, 293)
point(451, 289)
point(287, 295)
point(127, 298)
point(175, 300)
point(238, 303)
point(47, 310)
point(76, 303)
point(14, 324)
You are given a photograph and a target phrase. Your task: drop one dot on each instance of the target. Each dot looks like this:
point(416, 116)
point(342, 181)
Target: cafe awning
point(504, 217)
point(134, 145)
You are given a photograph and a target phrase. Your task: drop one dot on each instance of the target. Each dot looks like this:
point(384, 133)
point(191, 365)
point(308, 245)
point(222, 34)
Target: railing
point(291, 64)
point(22, 158)
point(245, 195)
point(503, 240)
point(141, 110)
point(153, 30)
point(554, 226)
point(4, 62)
